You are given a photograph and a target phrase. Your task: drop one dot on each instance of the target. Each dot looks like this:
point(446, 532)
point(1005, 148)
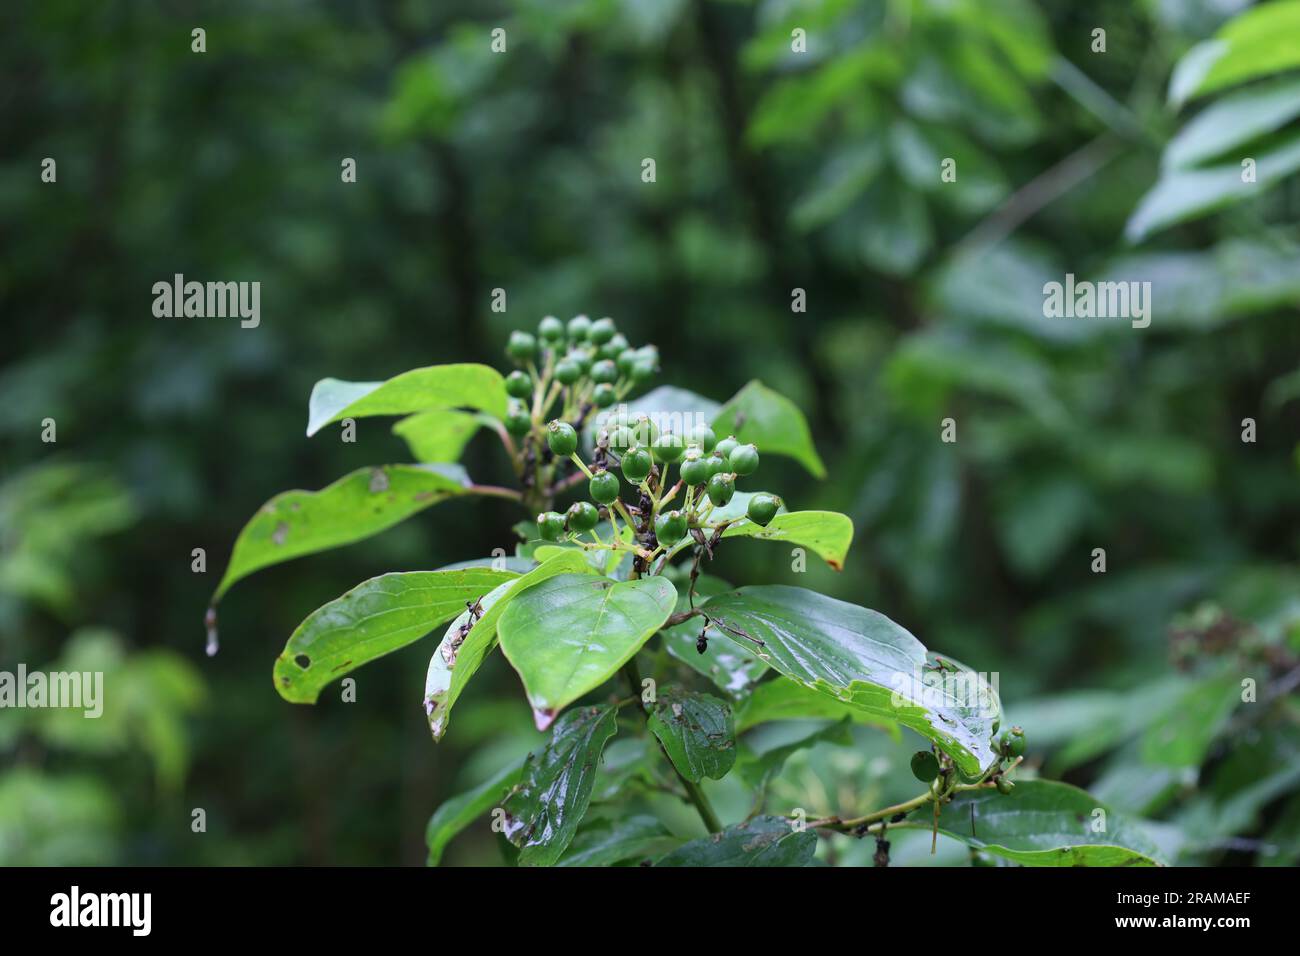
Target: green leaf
point(1046, 823)
point(772, 422)
point(437, 386)
point(763, 841)
point(461, 653)
point(828, 533)
point(757, 768)
point(460, 811)
point(1237, 118)
point(697, 732)
point(606, 842)
point(1183, 194)
point(438, 435)
point(569, 634)
point(358, 505)
point(544, 810)
point(1260, 41)
point(785, 699)
point(864, 659)
point(729, 667)
point(373, 619)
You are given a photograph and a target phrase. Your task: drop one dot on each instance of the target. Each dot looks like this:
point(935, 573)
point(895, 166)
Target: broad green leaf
point(757, 768)
point(697, 732)
point(517, 565)
point(607, 842)
point(460, 811)
point(373, 619)
point(864, 659)
point(545, 808)
point(1260, 41)
point(729, 667)
point(1234, 120)
point(1046, 823)
point(785, 699)
point(1181, 737)
point(670, 408)
point(763, 841)
point(828, 533)
point(772, 422)
point(436, 386)
point(462, 651)
point(440, 434)
point(571, 633)
point(358, 505)
point(1183, 194)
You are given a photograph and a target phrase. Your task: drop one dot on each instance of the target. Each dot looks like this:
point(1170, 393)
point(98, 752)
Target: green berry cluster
point(565, 371)
point(592, 360)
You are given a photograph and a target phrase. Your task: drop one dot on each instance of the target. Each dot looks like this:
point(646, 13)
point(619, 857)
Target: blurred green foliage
point(776, 171)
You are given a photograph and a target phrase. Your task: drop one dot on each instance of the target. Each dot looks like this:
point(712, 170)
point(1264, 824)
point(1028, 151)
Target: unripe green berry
point(762, 509)
point(636, 464)
point(670, 527)
point(519, 384)
point(668, 447)
point(518, 421)
point(626, 359)
point(644, 430)
point(1004, 785)
point(603, 487)
point(582, 516)
point(717, 464)
point(615, 347)
point(604, 395)
point(694, 467)
point(925, 766)
point(550, 329)
point(642, 371)
point(1012, 743)
point(725, 447)
point(579, 327)
point(561, 438)
point(703, 436)
point(621, 439)
point(720, 489)
point(567, 371)
point(743, 459)
point(604, 372)
point(550, 525)
point(522, 346)
point(601, 331)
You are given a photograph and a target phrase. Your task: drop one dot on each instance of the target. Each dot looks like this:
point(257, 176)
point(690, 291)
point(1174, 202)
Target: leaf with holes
point(763, 841)
point(355, 507)
point(570, 634)
point(554, 791)
point(697, 732)
point(864, 659)
point(373, 619)
point(436, 386)
point(463, 648)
